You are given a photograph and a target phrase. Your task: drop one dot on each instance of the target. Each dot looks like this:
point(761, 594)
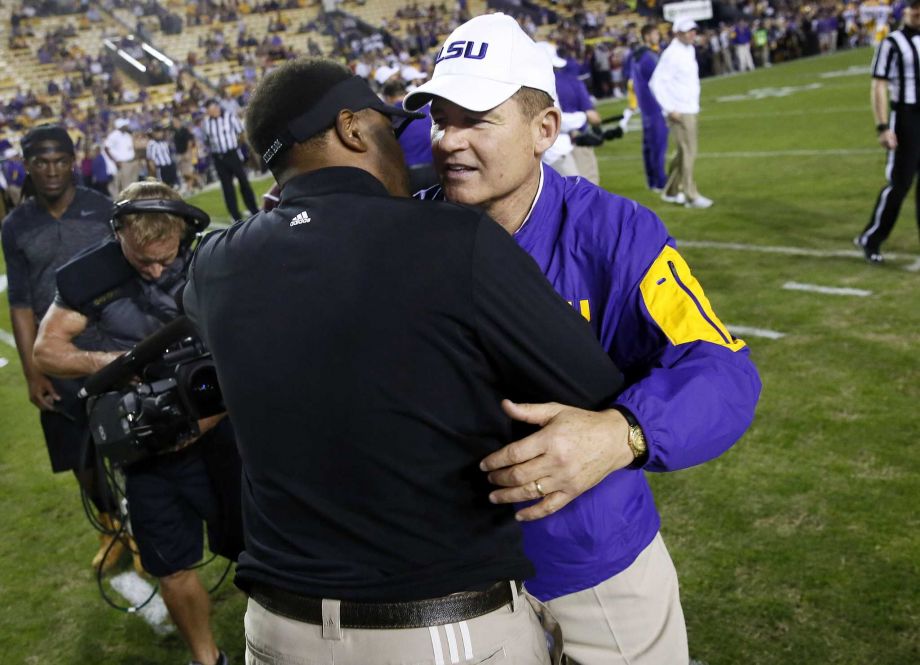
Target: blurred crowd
point(401, 47)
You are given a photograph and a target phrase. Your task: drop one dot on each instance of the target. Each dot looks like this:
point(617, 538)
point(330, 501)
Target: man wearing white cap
point(119, 146)
point(676, 85)
point(592, 534)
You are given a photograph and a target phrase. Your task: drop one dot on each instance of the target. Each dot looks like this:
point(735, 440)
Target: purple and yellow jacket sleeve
point(694, 386)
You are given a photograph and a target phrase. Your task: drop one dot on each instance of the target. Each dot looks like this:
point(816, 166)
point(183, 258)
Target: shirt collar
point(332, 180)
point(535, 199)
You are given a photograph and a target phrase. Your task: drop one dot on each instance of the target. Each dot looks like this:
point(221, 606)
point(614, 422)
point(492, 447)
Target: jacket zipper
point(696, 302)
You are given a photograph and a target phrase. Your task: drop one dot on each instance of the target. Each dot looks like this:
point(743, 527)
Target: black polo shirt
point(363, 345)
point(35, 244)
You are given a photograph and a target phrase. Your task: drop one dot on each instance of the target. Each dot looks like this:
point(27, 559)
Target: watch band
point(881, 127)
point(635, 437)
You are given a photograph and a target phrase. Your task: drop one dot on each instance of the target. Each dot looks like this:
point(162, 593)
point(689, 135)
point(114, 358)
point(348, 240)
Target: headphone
point(196, 218)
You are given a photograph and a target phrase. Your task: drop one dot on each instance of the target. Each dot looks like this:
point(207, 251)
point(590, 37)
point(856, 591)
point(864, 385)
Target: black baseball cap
point(46, 134)
point(353, 94)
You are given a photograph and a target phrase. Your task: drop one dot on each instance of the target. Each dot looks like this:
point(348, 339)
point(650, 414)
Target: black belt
point(409, 614)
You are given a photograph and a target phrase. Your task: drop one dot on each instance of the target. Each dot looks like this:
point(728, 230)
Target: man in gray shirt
point(56, 220)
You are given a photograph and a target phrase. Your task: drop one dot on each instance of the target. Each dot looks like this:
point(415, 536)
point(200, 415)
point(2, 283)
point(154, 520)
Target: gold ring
point(540, 490)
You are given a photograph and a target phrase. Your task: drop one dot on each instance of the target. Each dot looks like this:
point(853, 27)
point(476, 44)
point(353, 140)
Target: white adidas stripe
point(452, 644)
point(467, 641)
point(436, 645)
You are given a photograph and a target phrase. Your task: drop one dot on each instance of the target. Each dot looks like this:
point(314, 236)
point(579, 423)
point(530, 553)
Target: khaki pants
point(504, 637)
point(586, 161)
point(680, 168)
point(634, 618)
point(126, 174)
point(565, 166)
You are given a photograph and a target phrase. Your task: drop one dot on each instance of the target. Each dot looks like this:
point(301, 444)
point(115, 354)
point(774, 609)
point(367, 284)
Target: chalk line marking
point(826, 290)
point(7, 338)
point(747, 331)
point(744, 154)
point(136, 589)
point(798, 251)
point(2, 283)
point(4, 362)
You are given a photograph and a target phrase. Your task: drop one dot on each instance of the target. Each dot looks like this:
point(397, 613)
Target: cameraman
point(124, 289)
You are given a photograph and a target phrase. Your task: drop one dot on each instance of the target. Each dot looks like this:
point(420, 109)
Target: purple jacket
point(690, 384)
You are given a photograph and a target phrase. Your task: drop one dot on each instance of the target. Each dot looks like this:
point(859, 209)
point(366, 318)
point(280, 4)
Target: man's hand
point(888, 140)
point(674, 116)
point(41, 392)
point(573, 451)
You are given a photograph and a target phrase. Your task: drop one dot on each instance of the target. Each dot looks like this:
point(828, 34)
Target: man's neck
point(58, 206)
point(511, 211)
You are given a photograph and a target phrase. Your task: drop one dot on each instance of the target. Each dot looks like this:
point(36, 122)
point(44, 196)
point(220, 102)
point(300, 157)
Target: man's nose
point(450, 138)
point(154, 270)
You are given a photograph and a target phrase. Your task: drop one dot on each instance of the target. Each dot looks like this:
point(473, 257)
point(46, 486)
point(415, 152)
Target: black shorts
point(168, 498)
point(66, 429)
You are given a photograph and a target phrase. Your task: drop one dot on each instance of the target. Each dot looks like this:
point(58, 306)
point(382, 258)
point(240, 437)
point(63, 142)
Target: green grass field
point(800, 546)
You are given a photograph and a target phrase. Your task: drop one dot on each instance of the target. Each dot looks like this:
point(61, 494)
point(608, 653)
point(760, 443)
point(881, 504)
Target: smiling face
point(489, 159)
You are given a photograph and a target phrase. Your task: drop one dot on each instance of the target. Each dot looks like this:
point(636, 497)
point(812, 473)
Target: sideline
point(799, 251)
point(754, 332)
point(826, 290)
point(7, 338)
point(136, 590)
point(832, 152)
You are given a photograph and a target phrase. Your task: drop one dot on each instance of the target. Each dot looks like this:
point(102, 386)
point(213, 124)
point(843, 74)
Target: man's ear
point(546, 128)
point(350, 130)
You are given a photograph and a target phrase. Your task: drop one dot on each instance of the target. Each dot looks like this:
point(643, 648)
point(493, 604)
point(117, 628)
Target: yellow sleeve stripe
point(675, 300)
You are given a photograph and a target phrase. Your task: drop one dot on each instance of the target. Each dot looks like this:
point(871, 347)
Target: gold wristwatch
point(635, 437)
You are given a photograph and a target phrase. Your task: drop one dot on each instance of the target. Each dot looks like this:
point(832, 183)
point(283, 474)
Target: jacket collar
point(332, 180)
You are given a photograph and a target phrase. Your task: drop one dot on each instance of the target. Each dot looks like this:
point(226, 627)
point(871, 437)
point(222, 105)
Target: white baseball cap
point(553, 55)
point(384, 72)
point(121, 123)
point(684, 24)
point(483, 63)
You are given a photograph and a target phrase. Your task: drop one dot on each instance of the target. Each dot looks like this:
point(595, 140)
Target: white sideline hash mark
point(136, 590)
point(798, 251)
point(2, 283)
point(826, 290)
point(755, 332)
point(831, 152)
point(7, 337)
point(4, 362)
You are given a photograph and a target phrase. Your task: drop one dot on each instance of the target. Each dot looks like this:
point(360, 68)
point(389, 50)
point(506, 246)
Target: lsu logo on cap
point(461, 49)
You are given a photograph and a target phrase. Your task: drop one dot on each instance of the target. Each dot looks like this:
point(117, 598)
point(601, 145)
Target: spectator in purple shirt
point(742, 42)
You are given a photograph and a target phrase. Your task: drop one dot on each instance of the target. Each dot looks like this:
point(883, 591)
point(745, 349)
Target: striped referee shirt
point(897, 60)
point(223, 132)
point(158, 153)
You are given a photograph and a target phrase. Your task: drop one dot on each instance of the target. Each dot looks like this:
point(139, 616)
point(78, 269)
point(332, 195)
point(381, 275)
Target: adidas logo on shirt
point(300, 218)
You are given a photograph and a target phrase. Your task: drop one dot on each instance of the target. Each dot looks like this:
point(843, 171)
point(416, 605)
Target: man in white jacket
point(676, 85)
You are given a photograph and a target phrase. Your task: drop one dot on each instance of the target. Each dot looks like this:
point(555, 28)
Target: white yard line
point(746, 154)
point(798, 251)
point(136, 590)
point(755, 332)
point(7, 338)
point(2, 283)
point(4, 362)
point(809, 113)
point(826, 290)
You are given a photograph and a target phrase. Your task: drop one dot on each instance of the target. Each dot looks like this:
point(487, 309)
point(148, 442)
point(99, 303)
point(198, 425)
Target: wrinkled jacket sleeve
point(691, 385)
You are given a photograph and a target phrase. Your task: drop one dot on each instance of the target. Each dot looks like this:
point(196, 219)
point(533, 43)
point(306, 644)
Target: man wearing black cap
point(223, 130)
point(159, 157)
point(364, 343)
point(56, 220)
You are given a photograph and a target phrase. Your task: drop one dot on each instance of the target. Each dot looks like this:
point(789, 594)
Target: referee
point(223, 130)
point(159, 157)
point(895, 68)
